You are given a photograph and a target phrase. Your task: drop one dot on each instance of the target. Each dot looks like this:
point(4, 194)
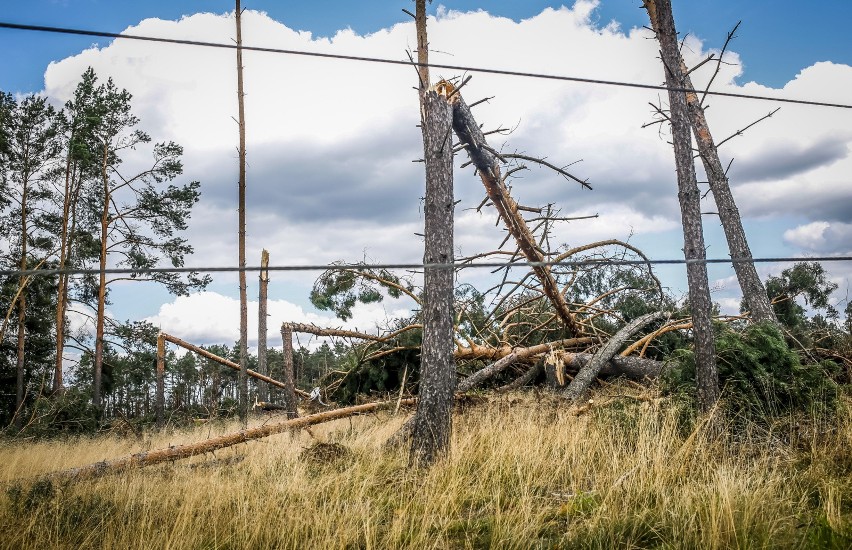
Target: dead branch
point(719, 62)
point(542, 162)
point(341, 333)
point(612, 242)
point(222, 361)
point(742, 130)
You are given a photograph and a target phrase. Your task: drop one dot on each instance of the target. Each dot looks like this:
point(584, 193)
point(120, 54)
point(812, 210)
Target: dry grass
point(525, 471)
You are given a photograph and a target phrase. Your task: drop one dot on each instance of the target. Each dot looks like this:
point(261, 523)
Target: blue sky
point(330, 173)
point(778, 38)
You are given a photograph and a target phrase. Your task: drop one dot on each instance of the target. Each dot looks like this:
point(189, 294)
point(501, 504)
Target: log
point(580, 384)
point(150, 458)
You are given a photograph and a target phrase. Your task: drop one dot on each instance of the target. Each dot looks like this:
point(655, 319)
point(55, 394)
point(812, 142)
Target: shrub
point(760, 375)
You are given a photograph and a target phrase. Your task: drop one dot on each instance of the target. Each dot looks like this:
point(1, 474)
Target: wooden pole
point(263, 293)
point(230, 364)
point(243, 379)
point(289, 394)
point(161, 383)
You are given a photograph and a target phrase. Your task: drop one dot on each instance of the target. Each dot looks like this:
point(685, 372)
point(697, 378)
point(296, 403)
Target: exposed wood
point(584, 378)
point(475, 351)
point(289, 393)
point(230, 364)
point(150, 458)
point(753, 290)
point(690, 204)
point(488, 167)
point(263, 294)
point(639, 369)
point(243, 378)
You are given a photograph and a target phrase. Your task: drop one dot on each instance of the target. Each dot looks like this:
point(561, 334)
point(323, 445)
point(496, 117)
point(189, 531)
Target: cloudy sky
point(331, 143)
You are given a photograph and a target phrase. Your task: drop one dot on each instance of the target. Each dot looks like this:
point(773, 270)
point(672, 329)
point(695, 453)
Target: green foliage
point(806, 280)
point(760, 375)
point(67, 413)
point(382, 374)
point(338, 290)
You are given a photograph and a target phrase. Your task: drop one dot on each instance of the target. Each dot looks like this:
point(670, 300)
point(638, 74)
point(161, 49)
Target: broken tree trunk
point(488, 166)
point(433, 420)
point(161, 380)
point(150, 458)
point(289, 393)
point(580, 385)
point(263, 293)
point(635, 368)
point(753, 290)
point(690, 207)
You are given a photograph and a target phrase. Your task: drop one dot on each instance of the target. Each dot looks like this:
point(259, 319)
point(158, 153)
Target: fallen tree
point(150, 458)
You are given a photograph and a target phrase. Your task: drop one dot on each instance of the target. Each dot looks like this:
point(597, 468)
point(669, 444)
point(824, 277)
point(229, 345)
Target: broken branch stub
point(488, 166)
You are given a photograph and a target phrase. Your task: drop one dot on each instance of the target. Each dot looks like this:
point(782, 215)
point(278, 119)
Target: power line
point(456, 265)
point(102, 34)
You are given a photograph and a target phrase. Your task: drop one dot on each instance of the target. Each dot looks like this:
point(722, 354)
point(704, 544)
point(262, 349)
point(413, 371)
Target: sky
point(330, 143)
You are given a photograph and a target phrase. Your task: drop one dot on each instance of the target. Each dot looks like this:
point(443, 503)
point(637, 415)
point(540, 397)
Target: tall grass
point(525, 471)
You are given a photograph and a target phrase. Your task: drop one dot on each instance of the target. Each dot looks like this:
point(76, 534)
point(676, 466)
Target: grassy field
point(526, 471)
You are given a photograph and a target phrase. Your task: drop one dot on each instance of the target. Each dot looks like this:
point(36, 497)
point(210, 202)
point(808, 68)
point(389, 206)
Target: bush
point(760, 376)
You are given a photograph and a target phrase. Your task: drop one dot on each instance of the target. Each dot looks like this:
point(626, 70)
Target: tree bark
point(243, 378)
point(161, 382)
point(580, 385)
point(99, 329)
point(433, 419)
point(288, 396)
point(487, 165)
point(263, 292)
point(754, 293)
point(690, 206)
point(69, 226)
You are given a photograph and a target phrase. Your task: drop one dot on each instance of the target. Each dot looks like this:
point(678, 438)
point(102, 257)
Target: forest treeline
point(83, 188)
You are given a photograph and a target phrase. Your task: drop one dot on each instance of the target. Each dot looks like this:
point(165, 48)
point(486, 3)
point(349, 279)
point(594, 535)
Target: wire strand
point(455, 265)
point(83, 32)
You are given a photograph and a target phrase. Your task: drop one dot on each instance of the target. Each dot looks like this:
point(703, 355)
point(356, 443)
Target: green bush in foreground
point(760, 375)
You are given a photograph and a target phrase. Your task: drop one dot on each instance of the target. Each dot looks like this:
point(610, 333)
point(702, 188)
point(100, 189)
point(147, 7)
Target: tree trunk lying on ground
point(590, 370)
point(150, 458)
